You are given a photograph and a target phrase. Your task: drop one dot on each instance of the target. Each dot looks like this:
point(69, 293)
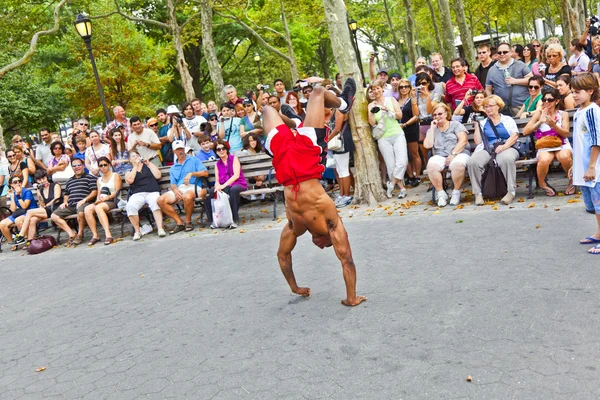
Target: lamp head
point(84, 26)
point(256, 57)
point(353, 25)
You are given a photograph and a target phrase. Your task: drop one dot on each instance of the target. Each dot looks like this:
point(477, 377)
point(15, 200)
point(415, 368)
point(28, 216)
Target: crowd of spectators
point(420, 123)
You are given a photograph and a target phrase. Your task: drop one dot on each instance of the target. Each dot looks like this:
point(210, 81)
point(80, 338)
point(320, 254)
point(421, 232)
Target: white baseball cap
point(172, 109)
point(178, 144)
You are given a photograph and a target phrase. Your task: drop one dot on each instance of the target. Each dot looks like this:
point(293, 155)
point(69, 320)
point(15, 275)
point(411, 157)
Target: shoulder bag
point(493, 182)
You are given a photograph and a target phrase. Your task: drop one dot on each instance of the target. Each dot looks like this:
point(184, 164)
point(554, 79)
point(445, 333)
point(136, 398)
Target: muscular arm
point(287, 242)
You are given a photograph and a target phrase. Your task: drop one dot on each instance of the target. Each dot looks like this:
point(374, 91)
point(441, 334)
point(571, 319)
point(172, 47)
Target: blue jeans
point(591, 197)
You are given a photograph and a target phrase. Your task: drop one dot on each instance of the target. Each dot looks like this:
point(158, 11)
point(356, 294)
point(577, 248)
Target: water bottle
point(507, 75)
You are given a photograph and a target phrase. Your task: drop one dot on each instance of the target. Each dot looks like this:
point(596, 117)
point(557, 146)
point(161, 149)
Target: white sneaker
point(337, 199)
point(390, 189)
point(455, 199)
point(252, 197)
point(137, 236)
point(402, 193)
point(442, 198)
point(162, 233)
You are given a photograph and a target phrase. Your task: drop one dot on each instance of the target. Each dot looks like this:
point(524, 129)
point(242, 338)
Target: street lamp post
point(257, 59)
point(84, 27)
point(495, 19)
point(353, 28)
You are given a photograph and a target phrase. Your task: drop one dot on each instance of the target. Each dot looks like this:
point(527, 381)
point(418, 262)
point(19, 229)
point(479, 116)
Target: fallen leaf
point(40, 369)
point(531, 205)
point(573, 201)
point(459, 207)
point(242, 231)
point(560, 194)
point(142, 275)
point(192, 234)
point(521, 200)
point(214, 232)
point(537, 226)
point(469, 378)
point(379, 206)
point(390, 212)
point(511, 207)
point(460, 221)
point(545, 205)
point(264, 211)
point(557, 209)
point(577, 196)
point(387, 208)
point(495, 208)
point(436, 212)
point(426, 208)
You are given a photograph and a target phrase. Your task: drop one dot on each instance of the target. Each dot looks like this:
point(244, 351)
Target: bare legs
point(100, 210)
point(415, 159)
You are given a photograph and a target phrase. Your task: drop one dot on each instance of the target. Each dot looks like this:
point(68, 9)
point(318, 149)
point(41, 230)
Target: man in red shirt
point(460, 83)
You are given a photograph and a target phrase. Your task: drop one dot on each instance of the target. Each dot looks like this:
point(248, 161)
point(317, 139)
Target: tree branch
point(255, 34)
point(375, 42)
point(132, 18)
point(268, 28)
point(189, 19)
point(33, 44)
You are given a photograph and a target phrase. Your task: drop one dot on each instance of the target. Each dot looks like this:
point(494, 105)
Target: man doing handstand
point(296, 159)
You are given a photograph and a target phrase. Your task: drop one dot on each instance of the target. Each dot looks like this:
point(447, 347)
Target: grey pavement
point(505, 296)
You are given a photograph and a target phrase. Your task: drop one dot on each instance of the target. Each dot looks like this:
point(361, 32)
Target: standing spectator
point(579, 61)
point(166, 118)
point(212, 130)
point(21, 200)
point(152, 123)
point(212, 107)
point(437, 62)
point(502, 145)
point(84, 125)
point(306, 91)
point(229, 178)
point(381, 75)
point(449, 142)
point(193, 124)
point(199, 108)
point(94, 152)
point(537, 45)
point(410, 125)
point(533, 101)
point(485, 63)
point(586, 149)
point(413, 78)
point(4, 179)
point(393, 142)
point(229, 128)
point(508, 79)
point(563, 84)
point(109, 186)
point(231, 94)
point(251, 122)
point(43, 154)
point(18, 165)
point(120, 118)
point(460, 83)
point(80, 145)
point(280, 91)
point(394, 82)
point(517, 52)
point(119, 154)
point(342, 157)
point(556, 65)
point(143, 186)
point(184, 175)
point(426, 96)
point(528, 55)
point(595, 59)
point(80, 190)
point(144, 142)
point(59, 163)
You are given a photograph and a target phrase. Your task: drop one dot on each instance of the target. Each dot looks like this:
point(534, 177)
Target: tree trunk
point(397, 47)
point(465, 33)
point(436, 30)
point(216, 75)
point(182, 67)
point(447, 31)
point(565, 21)
point(410, 32)
point(367, 186)
point(2, 143)
point(290, 47)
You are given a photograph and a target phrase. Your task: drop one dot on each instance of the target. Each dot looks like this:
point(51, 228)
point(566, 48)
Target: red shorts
point(296, 157)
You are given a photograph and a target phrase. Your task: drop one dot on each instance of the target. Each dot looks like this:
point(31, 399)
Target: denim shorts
point(591, 197)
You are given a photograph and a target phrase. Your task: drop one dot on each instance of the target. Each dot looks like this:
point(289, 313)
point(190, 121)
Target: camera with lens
point(263, 87)
point(375, 110)
point(594, 19)
point(178, 117)
point(474, 92)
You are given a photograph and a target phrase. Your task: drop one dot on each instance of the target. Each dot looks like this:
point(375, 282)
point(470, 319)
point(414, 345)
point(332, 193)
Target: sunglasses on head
point(533, 87)
point(153, 125)
point(221, 148)
point(504, 52)
point(548, 99)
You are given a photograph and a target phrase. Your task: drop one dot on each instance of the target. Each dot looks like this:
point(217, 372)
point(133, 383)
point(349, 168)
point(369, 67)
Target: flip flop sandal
point(178, 228)
point(108, 241)
point(549, 191)
point(93, 241)
point(70, 241)
point(77, 241)
point(189, 227)
point(597, 248)
point(570, 190)
point(589, 240)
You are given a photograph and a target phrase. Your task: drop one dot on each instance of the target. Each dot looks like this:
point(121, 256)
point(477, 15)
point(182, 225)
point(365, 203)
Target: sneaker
point(479, 200)
point(415, 181)
point(390, 189)
point(455, 200)
point(348, 94)
point(402, 193)
point(337, 199)
point(137, 236)
point(252, 197)
point(442, 198)
point(233, 225)
point(345, 201)
point(508, 198)
point(161, 233)
point(17, 240)
point(213, 226)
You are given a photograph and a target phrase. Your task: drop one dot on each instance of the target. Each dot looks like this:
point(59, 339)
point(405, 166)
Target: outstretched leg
point(287, 242)
point(341, 245)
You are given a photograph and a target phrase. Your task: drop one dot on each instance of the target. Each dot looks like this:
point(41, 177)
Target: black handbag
point(493, 182)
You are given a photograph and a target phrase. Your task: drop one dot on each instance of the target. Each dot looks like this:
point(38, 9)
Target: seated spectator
point(193, 124)
point(551, 121)
point(426, 94)
point(251, 123)
point(80, 191)
point(229, 128)
point(4, 179)
point(563, 84)
point(59, 166)
point(449, 142)
point(532, 103)
point(49, 196)
point(501, 143)
point(252, 145)
point(473, 112)
point(206, 152)
point(143, 189)
point(120, 155)
point(109, 186)
point(595, 61)
point(21, 200)
point(229, 178)
point(556, 66)
point(93, 153)
point(15, 166)
point(184, 175)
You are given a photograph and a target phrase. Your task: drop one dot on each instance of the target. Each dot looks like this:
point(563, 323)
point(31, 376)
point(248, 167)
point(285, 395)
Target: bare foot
point(356, 301)
point(302, 291)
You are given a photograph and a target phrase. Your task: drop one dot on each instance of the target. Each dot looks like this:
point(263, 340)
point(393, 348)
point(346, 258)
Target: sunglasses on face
point(535, 45)
point(503, 52)
point(18, 141)
point(84, 124)
point(482, 52)
point(403, 86)
point(551, 55)
point(153, 125)
point(10, 155)
point(57, 148)
point(221, 148)
point(212, 119)
point(16, 181)
point(548, 99)
point(77, 165)
point(103, 165)
point(533, 87)
point(307, 91)
point(439, 114)
point(423, 83)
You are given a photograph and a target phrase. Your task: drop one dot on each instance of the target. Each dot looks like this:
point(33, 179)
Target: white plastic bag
point(222, 217)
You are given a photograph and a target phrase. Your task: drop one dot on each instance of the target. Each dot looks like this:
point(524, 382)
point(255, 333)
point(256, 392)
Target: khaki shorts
point(69, 210)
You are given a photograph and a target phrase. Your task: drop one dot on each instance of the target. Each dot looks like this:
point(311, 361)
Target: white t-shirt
point(193, 124)
point(581, 63)
point(147, 136)
point(586, 133)
point(42, 152)
point(93, 155)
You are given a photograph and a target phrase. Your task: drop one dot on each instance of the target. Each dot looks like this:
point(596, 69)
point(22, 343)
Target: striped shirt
point(586, 134)
point(455, 92)
point(79, 188)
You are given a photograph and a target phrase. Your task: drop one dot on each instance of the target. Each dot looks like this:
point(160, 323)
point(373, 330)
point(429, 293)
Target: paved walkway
point(505, 296)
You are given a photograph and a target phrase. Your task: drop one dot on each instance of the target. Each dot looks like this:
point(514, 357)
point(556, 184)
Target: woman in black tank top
point(410, 125)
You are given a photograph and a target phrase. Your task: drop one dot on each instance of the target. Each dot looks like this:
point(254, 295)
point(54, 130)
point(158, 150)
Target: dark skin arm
point(287, 242)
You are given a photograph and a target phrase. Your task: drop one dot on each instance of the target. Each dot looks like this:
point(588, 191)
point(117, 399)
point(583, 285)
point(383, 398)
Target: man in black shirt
point(485, 63)
point(80, 190)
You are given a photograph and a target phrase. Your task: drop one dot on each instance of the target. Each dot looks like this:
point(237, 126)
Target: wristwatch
point(453, 153)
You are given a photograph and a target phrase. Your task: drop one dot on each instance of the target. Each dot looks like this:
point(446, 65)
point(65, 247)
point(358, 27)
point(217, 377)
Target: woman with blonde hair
point(556, 66)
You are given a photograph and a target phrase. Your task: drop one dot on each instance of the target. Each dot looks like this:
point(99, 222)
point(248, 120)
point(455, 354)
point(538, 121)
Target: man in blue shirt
point(185, 172)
